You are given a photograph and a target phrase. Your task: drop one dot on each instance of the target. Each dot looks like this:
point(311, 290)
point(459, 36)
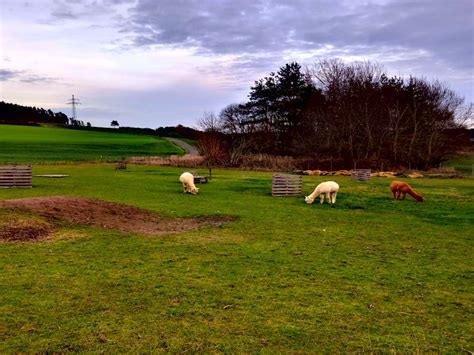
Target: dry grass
point(174, 160)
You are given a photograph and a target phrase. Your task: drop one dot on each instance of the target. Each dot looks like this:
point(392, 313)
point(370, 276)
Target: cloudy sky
point(151, 63)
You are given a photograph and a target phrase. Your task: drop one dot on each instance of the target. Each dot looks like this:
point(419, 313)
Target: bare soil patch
point(111, 215)
point(24, 229)
point(23, 233)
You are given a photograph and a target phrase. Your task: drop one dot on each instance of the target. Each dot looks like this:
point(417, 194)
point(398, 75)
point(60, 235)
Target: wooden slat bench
point(15, 176)
point(360, 174)
point(286, 185)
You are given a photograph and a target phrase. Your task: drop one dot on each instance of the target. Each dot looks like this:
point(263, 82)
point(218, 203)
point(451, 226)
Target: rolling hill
point(52, 144)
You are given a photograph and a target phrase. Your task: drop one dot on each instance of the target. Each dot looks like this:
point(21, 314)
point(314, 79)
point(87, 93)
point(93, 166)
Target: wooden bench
point(286, 185)
point(15, 176)
point(361, 174)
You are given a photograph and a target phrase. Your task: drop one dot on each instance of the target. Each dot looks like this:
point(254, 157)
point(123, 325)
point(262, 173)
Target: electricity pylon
point(73, 102)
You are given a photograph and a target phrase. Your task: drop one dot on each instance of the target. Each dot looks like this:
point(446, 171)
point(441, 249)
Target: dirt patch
point(24, 229)
point(111, 215)
point(23, 234)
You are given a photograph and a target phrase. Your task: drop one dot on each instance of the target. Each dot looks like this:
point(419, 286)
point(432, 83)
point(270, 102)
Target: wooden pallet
point(198, 179)
point(201, 179)
point(121, 165)
point(361, 174)
point(286, 185)
point(15, 176)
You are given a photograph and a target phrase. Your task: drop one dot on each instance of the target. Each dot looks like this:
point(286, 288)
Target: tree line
point(350, 114)
point(25, 115)
point(178, 131)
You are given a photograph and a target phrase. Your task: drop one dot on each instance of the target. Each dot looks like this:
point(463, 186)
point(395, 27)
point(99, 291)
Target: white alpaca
point(328, 188)
point(187, 179)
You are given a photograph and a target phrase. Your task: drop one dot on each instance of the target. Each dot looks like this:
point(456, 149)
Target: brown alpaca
point(400, 187)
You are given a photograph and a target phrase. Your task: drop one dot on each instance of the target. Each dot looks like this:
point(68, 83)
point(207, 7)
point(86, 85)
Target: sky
point(152, 63)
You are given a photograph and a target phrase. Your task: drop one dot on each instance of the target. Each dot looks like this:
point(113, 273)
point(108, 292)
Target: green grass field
point(50, 144)
point(371, 275)
point(463, 163)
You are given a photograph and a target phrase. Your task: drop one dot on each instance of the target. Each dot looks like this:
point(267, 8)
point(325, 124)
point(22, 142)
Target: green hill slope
point(49, 144)
point(462, 162)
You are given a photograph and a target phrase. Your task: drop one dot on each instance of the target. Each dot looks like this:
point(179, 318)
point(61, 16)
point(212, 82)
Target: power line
point(73, 102)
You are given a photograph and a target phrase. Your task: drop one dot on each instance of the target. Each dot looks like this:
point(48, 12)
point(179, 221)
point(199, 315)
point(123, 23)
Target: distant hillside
point(49, 144)
point(178, 131)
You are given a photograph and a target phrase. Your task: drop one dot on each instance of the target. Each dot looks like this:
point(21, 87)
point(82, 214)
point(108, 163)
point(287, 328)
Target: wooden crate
point(201, 179)
point(198, 179)
point(15, 176)
point(121, 165)
point(286, 185)
point(361, 174)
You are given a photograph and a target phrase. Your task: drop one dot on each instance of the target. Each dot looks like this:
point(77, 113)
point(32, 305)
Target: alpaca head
point(194, 190)
point(308, 199)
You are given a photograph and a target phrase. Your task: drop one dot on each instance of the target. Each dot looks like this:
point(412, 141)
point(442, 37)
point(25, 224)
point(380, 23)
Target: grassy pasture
point(463, 163)
point(372, 274)
point(52, 144)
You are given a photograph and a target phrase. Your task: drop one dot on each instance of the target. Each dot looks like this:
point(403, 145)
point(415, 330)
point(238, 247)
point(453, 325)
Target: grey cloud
point(6, 74)
point(36, 79)
point(66, 14)
point(25, 76)
point(78, 9)
point(258, 26)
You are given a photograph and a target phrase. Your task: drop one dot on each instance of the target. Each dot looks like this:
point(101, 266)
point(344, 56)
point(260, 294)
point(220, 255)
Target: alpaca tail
point(416, 195)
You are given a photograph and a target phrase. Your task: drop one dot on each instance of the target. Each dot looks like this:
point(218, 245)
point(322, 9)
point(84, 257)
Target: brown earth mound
point(111, 215)
point(30, 233)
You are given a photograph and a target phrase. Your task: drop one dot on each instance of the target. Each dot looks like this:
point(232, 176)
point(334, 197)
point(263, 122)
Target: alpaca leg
point(321, 198)
point(397, 195)
point(333, 197)
point(394, 195)
point(185, 187)
point(328, 197)
point(404, 195)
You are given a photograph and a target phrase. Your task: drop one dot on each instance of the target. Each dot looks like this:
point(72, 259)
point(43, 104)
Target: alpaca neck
point(416, 196)
point(314, 194)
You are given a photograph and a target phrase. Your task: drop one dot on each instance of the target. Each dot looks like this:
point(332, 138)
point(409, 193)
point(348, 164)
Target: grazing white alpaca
point(328, 188)
point(187, 179)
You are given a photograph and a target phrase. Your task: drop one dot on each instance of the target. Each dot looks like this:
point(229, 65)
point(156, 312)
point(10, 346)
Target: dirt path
point(191, 150)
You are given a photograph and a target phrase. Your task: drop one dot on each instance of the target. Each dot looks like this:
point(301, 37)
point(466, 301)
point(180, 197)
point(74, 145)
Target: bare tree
point(211, 141)
point(353, 113)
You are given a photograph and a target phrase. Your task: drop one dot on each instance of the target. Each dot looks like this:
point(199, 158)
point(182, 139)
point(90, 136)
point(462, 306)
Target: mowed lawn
point(51, 144)
point(371, 274)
